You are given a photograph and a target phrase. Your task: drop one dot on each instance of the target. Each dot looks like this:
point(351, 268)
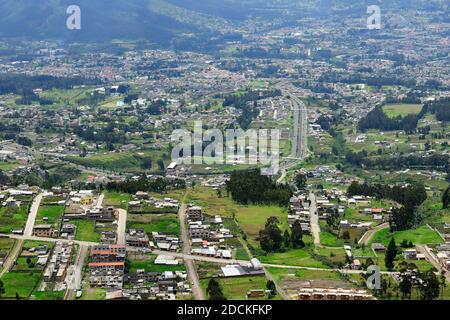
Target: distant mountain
point(158, 21)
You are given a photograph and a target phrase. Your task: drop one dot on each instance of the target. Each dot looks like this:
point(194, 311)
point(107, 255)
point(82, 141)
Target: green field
point(421, 235)
point(116, 199)
point(167, 223)
point(237, 288)
point(6, 245)
point(86, 230)
point(9, 166)
point(53, 213)
point(395, 110)
point(13, 218)
point(295, 257)
point(146, 263)
point(21, 283)
point(252, 220)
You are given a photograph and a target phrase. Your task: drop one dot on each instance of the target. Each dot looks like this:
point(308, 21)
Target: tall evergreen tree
point(446, 199)
point(214, 290)
point(391, 253)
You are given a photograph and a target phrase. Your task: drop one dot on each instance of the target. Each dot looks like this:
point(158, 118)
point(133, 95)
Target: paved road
point(365, 239)
point(100, 201)
point(188, 259)
point(314, 218)
point(33, 238)
point(122, 226)
point(74, 281)
point(32, 215)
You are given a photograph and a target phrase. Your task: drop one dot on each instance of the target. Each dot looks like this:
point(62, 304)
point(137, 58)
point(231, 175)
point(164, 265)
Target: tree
point(214, 290)
point(272, 288)
point(297, 235)
point(300, 181)
point(346, 236)
point(446, 199)
point(270, 238)
point(391, 253)
point(429, 286)
point(286, 239)
point(405, 286)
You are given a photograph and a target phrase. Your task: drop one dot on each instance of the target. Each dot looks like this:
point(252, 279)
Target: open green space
point(236, 288)
point(116, 199)
point(13, 218)
point(146, 263)
point(295, 257)
point(394, 110)
point(167, 223)
point(20, 283)
point(51, 214)
point(421, 235)
point(86, 230)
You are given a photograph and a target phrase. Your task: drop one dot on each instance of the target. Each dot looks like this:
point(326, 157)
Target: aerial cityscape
point(226, 150)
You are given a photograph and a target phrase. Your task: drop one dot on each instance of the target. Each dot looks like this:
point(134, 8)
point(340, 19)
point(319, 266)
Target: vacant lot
point(52, 214)
point(295, 257)
point(116, 199)
point(13, 218)
point(146, 262)
point(20, 283)
point(86, 230)
point(167, 223)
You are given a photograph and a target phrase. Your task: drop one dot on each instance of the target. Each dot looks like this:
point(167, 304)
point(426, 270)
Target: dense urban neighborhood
point(94, 205)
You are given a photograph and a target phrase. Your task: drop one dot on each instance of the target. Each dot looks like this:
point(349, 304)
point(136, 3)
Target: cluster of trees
point(157, 107)
point(426, 283)
point(250, 187)
point(377, 119)
point(410, 197)
point(440, 108)
point(107, 134)
point(300, 181)
point(18, 84)
point(147, 185)
point(361, 159)
point(272, 239)
point(214, 290)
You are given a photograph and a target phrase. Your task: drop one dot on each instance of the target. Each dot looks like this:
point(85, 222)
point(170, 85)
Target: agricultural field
point(6, 245)
point(236, 288)
point(13, 218)
point(293, 279)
